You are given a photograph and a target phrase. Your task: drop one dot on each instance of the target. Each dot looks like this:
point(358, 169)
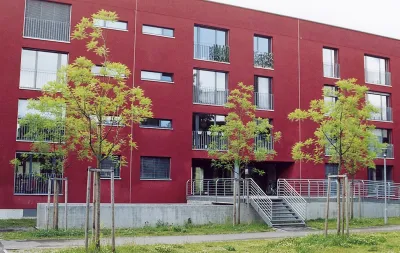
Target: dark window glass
point(161, 123)
point(109, 164)
point(155, 168)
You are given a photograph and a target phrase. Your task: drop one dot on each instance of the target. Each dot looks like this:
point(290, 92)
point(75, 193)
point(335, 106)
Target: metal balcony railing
point(377, 77)
point(264, 142)
point(383, 114)
point(264, 60)
point(219, 53)
point(47, 29)
point(209, 96)
point(36, 78)
point(264, 101)
point(389, 152)
point(35, 184)
point(33, 133)
point(331, 70)
point(204, 140)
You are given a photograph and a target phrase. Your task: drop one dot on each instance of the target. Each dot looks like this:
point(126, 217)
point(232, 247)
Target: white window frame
point(105, 24)
point(156, 34)
point(158, 73)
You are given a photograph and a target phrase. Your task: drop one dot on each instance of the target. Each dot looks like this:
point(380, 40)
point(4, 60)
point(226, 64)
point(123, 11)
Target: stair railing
point(292, 198)
point(256, 194)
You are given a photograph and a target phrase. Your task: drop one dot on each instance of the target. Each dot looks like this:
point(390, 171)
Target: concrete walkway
point(278, 234)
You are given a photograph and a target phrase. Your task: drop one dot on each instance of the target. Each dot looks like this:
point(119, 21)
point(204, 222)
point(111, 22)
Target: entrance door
point(198, 177)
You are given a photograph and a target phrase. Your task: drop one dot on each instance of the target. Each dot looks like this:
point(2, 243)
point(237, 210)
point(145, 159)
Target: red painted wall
point(294, 84)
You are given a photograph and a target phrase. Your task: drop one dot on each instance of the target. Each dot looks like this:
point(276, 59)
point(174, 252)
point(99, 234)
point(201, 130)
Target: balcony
point(264, 60)
point(209, 96)
point(264, 101)
point(202, 140)
point(46, 29)
point(32, 133)
point(383, 114)
point(32, 79)
point(218, 53)
point(264, 142)
point(389, 152)
point(332, 70)
point(377, 77)
point(35, 184)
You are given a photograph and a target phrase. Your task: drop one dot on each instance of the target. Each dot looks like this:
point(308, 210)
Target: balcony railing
point(383, 114)
point(332, 70)
point(35, 184)
point(204, 140)
point(264, 60)
point(46, 29)
point(219, 53)
point(264, 142)
point(33, 133)
point(209, 96)
point(264, 101)
point(389, 152)
point(377, 77)
point(36, 79)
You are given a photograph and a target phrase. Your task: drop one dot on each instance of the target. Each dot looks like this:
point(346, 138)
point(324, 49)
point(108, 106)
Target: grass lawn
point(355, 223)
point(17, 223)
point(380, 242)
point(146, 231)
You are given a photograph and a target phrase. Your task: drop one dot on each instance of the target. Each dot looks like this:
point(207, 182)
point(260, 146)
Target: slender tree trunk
point(94, 207)
point(234, 201)
point(352, 197)
point(237, 183)
point(338, 202)
point(344, 209)
point(97, 225)
point(55, 204)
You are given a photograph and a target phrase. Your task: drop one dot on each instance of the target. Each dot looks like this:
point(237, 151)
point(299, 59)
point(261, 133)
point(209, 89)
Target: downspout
point(299, 84)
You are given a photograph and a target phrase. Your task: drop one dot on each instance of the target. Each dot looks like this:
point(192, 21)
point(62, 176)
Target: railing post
point(308, 188)
point(248, 191)
point(208, 188)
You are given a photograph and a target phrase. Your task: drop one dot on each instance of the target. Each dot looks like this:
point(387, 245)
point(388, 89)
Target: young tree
point(243, 138)
point(100, 106)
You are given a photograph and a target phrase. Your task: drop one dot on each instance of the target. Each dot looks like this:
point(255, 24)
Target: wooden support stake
point(327, 206)
point(87, 211)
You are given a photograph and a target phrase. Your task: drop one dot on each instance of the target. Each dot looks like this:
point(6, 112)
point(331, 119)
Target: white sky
point(380, 17)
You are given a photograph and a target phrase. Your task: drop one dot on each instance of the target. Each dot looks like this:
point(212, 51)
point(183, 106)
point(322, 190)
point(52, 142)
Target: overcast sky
point(380, 17)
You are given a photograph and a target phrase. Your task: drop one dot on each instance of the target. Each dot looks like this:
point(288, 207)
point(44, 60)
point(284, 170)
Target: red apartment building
point(187, 55)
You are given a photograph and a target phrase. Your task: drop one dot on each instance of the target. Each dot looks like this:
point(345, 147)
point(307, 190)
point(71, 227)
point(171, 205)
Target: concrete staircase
point(283, 215)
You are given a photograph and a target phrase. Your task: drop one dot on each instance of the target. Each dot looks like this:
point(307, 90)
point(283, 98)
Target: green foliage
point(264, 60)
point(343, 130)
point(230, 248)
point(240, 131)
point(17, 223)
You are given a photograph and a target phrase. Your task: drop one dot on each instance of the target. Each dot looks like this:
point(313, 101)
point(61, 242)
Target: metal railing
point(264, 60)
point(209, 96)
point(36, 79)
point(389, 152)
point(384, 114)
point(204, 140)
point(219, 53)
point(377, 77)
point(317, 188)
point(47, 29)
point(258, 198)
point(264, 142)
point(33, 133)
point(264, 101)
point(292, 198)
point(332, 70)
point(35, 184)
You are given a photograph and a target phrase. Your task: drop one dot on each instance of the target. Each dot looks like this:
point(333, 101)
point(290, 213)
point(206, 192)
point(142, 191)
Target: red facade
point(297, 78)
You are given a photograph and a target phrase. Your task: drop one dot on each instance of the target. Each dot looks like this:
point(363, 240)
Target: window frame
point(332, 64)
point(258, 36)
point(104, 26)
point(162, 31)
point(159, 120)
point(157, 80)
point(155, 179)
point(102, 177)
point(197, 35)
point(386, 83)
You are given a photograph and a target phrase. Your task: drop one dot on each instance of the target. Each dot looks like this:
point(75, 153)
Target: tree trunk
point(97, 225)
point(338, 202)
point(234, 201)
point(352, 197)
point(94, 207)
point(237, 183)
point(55, 204)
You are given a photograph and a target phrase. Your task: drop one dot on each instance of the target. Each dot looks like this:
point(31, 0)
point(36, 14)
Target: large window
point(330, 62)
point(159, 31)
point(384, 136)
point(376, 70)
point(263, 93)
point(202, 137)
point(157, 168)
point(377, 174)
point(47, 20)
point(382, 104)
point(39, 68)
point(210, 44)
point(111, 163)
point(263, 52)
point(117, 25)
point(156, 123)
point(209, 87)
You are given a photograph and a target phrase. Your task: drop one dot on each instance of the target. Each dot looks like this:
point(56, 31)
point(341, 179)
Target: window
point(203, 122)
point(157, 123)
point(384, 136)
point(153, 30)
point(376, 70)
point(104, 72)
point(108, 120)
point(330, 95)
point(38, 68)
point(262, 52)
point(209, 87)
point(109, 164)
point(117, 25)
point(331, 169)
point(330, 62)
point(377, 174)
point(382, 103)
point(157, 76)
point(155, 167)
point(202, 137)
point(263, 93)
point(47, 20)
point(210, 44)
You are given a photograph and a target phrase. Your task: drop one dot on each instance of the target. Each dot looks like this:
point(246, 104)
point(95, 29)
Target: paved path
point(43, 244)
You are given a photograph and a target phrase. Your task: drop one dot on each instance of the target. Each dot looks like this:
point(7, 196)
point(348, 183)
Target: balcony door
point(202, 137)
point(263, 93)
point(382, 103)
point(210, 44)
point(209, 87)
point(375, 70)
point(330, 61)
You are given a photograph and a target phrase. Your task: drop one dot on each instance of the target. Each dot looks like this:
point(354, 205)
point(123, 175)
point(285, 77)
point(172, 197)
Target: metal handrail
point(259, 197)
point(292, 198)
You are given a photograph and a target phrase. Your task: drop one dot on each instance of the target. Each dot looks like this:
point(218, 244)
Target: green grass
point(355, 223)
point(17, 223)
point(160, 230)
point(380, 242)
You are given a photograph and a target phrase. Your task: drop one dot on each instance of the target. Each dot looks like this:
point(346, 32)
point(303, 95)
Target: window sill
point(29, 88)
point(158, 35)
point(263, 68)
point(59, 41)
point(115, 29)
point(143, 179)
point(208, 104)
point(384, 85)
point(266, 110)
point(212, 61)
point(387, 158)
point(157, 81)
point(384, 121)
point(158, 128)
point(106, 178)
point(331, 77)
